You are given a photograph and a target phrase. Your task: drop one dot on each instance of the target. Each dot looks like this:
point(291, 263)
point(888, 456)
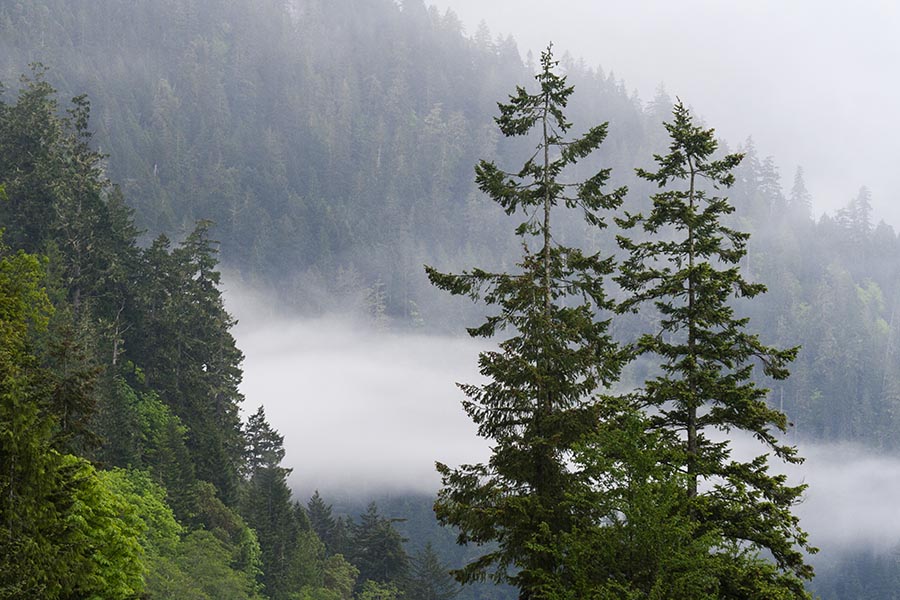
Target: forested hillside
point(328, 146)
point(332, 145)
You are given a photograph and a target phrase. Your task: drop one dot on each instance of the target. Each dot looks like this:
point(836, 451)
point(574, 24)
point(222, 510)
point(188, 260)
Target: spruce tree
point(430, 580)
point(290, 551)
point(539, 399)
point(688, 268)
point(323, 523)
point(377, 549)
point(800, 200)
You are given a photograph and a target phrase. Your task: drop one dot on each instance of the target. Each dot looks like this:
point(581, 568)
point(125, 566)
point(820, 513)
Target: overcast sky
point(815, 82)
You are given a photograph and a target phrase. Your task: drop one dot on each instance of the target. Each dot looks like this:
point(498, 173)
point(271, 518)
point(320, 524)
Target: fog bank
point(365, 412)
point(361, 411)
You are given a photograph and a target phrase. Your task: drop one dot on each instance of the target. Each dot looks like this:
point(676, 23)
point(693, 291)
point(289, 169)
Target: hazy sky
point(815, 82)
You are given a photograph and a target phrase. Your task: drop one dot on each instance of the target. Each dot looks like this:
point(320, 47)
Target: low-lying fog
point(367, 412)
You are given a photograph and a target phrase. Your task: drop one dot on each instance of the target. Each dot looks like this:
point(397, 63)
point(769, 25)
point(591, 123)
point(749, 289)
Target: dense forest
point(329, 147)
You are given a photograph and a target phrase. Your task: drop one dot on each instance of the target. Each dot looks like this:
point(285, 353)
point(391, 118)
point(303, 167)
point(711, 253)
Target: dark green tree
point(291, 552)
point(323, 523)
point(539, 401)
point(688, 269)
point(263, 446)
point(60, 203)
point(183, 343)
point(429, 579)
point(377, 549)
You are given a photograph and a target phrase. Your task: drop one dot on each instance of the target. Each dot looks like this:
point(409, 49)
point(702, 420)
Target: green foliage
point(688, 269)
point(263, 445)
point(204, 564)
point(292, 554)
point(638, 537)
point(72, 377)
point(377, 550)
point(538, 401)
point(187, 354)
point(372, 590)
point(207, 560)
point(99, 542)
point(58, 198)
point(72, 535)
point(64, 529)
point(160, 531)
point(324, 524)
point(340, 576)
point(429, 579)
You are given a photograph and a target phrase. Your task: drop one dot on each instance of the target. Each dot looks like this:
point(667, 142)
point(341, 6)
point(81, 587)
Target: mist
point(366, 412)
point(814, 83)
point(362, 411)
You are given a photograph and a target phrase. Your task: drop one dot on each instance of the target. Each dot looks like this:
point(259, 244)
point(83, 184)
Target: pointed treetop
point(265, 447)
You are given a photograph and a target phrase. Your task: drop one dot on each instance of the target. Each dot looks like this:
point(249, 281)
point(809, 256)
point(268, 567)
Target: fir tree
point(323, 523)
point(538, 402)
point(290, 551)
point(688, 269)
point(377, 549)
point(429, 579)
point(800, 201)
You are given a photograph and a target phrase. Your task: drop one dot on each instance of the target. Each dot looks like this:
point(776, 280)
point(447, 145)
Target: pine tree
point(539, 401)
point(688, 269)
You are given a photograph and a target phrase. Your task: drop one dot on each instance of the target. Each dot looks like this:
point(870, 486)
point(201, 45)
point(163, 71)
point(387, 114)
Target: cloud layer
point(366, 412)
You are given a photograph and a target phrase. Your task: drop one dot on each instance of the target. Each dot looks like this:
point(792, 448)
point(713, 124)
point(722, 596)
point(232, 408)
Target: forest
point(324, 150)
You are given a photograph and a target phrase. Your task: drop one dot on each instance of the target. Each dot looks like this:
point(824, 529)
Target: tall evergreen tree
point(429, 579)
point(323, 523)
point(800, 200)
point(539, 399)
point(291, 552)
point(377, 549)
point(264, 447)
point(688, 269)
point(856, 217)
point(182, 340)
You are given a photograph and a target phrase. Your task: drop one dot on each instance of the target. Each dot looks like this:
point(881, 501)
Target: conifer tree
point(290, 551)
point(800, 200)
point(538, 401)
point(377, 549)
point(323, 523)
point(689, 269)
point(429, 579)
point(264, 447)
point(183, 343)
